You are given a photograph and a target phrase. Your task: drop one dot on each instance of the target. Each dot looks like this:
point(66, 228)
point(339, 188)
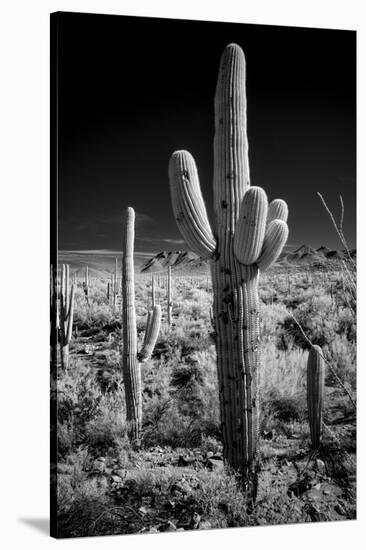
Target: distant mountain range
point(189, 261)
point(308, 255)
point(180, 259)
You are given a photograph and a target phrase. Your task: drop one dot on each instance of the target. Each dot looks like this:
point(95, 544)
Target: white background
point(24, 216)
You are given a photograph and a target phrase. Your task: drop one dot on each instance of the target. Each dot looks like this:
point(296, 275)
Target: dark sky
point(132, 90)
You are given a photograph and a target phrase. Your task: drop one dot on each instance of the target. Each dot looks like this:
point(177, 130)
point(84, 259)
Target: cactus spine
point(315, 391)
point(130, 358)
point(235, 246)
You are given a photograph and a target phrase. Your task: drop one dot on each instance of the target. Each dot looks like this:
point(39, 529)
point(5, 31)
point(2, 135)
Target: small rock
point(169, 526)
point(152, 530)
point(116, 479)
point(215, 464)
point(205, 525)
point(196, 518)
point(98, 466)
point(320, 466)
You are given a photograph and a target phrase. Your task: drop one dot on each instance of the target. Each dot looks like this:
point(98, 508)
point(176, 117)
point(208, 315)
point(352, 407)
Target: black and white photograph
point(202, 275)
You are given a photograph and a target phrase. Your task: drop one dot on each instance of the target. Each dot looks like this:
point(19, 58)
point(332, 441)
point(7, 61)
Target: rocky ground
point(159, 488)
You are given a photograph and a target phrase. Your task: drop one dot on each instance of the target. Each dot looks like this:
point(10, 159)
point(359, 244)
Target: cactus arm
point(274, 241)
point(151, 335)
point(315, 391)
point(148, 325)
point(188, 205)
point(278, 210)
point(251, 226)
point(153, 299)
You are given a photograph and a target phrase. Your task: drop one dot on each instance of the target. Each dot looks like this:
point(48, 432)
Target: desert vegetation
point(176, 479)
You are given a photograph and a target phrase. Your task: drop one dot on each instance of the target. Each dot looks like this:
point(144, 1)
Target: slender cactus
point(169, 296)
point(239, 246)
point(315, 391)
point(66, 316)
point(130, 358)
point(53, 316)
point(115, 286)
point(67, 289)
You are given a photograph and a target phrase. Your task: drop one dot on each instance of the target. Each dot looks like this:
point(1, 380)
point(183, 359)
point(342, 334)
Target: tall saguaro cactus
point(315, 391)
point(131, 359)
point(247, 236)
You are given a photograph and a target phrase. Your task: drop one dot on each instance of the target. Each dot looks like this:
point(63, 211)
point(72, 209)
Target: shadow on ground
point(40, 524)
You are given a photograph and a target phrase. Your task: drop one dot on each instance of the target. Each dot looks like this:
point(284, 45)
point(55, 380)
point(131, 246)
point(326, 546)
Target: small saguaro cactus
point(115, 282)
point(315, 391)
point(53, 315)
point(247, 237)
point(169, 296)
point(131, 359)
point(66, 316)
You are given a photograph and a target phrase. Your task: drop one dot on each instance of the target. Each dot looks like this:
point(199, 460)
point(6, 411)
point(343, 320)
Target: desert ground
point(176, 479)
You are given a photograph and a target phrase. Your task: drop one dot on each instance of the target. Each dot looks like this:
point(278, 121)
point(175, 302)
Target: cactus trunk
point(131, 367)
point(130, 359)
point(236, 321)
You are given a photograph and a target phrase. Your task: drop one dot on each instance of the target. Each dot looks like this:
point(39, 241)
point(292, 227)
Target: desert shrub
point(217, 499)
point(107, 430)
point(180, 343)
point(78, 396)
point(282, 372)
point(79, 506)
point(341, 354)
point(347, 324)
point(282, 385)
point(272, 317)
point(220, 500)
point(277, 409)
point(181, 401)
point(98, 313)
point(86, 415)
point(317, 320)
